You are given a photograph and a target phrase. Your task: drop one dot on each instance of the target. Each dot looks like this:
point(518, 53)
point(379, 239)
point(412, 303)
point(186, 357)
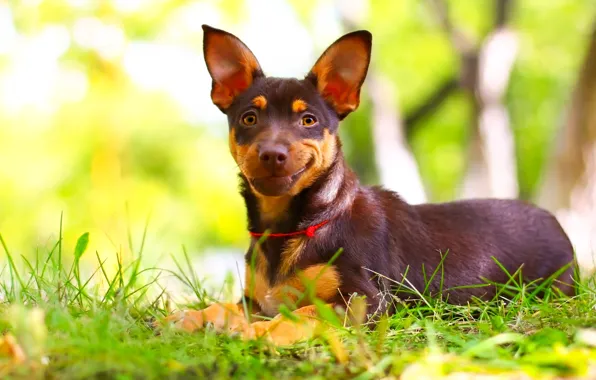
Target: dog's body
point(296, 184)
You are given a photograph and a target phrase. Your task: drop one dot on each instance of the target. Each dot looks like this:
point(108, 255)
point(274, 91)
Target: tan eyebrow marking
point(260, 102)
point(299, 105)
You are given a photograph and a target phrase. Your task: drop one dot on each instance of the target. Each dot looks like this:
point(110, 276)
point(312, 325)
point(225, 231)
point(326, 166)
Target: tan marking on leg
point(223, 317)
point(324, 280)
point(260, 102)
point(282, 331)
point(298, 106)
point(259, 288)
point(256, 284)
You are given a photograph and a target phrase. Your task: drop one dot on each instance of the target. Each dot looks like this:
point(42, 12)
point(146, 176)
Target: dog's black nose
point(273, 156)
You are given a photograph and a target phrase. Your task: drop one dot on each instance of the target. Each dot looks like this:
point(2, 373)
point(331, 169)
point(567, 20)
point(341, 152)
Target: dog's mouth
point(273, 186)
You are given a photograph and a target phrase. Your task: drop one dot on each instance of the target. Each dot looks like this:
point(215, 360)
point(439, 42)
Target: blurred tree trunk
point(569, 183)
point(492, 169)
point(485, 71)
point(396, 165)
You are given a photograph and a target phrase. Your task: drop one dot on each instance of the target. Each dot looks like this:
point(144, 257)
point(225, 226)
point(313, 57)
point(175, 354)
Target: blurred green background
point(105, 113)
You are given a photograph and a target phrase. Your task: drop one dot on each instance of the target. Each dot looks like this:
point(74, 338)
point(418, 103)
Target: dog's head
point(283, 131)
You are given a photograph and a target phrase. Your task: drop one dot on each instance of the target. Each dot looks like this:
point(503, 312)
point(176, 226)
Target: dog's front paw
point(280, 332)
point(220, 317)
point(187, 320)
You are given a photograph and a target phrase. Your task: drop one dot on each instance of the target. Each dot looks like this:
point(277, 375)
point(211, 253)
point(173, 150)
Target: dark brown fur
point(379, 233)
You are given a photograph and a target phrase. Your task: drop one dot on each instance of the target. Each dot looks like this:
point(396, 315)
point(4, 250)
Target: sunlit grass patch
point(71, 323)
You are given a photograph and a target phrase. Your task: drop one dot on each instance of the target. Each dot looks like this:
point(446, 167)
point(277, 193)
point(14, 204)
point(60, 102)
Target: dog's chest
point(294, 288)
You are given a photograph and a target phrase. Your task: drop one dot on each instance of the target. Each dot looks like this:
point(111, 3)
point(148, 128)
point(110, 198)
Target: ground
point(56, 324)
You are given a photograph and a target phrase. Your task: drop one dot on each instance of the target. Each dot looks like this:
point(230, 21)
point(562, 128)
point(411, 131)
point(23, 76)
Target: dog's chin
point(276, 186)
point(272, 186)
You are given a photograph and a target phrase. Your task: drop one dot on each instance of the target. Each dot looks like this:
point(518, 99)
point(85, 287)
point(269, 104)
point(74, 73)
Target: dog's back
point(476, 234)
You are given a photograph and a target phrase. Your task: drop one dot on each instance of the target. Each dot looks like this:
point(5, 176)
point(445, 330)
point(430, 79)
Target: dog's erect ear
point(231, 64)
point(341, 69)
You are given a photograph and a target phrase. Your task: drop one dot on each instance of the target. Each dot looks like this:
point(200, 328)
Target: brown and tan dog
point(296, 184)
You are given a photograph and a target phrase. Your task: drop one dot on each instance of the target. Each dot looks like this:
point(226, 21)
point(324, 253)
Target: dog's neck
point(328, 197)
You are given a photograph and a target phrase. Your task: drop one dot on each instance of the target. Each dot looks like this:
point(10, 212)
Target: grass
point(70, 327)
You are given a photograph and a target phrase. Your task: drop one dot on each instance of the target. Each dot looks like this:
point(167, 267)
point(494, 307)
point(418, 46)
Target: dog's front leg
point(282, 330)
point(222, 317)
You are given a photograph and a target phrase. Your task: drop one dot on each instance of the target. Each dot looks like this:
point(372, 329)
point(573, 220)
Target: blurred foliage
point(413, 50)
point(109, 153)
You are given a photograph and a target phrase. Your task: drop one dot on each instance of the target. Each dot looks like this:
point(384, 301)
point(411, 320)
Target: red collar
point(309, 231)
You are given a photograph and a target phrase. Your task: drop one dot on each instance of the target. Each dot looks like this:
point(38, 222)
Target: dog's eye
point(308, 120)
point(249, 119)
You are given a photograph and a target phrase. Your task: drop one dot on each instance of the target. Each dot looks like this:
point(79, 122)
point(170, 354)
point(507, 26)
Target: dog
point(318, 234)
